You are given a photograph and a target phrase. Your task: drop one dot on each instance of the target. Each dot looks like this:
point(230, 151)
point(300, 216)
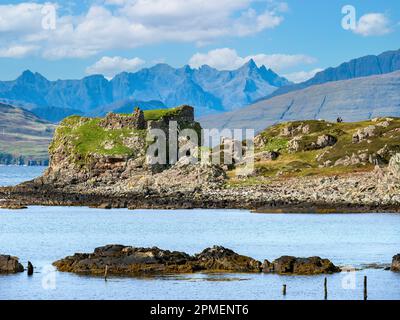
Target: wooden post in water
point(105, 273)
point(326, 289)
point(30, 268)
point(365, 288)
point(284, 290)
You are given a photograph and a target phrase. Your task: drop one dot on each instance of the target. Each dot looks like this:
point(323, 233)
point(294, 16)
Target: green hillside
point(310, 148)
point(24, 138)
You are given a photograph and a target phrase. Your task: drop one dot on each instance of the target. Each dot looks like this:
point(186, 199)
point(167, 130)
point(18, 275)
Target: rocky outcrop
point(300, 143)
point(324, 141)
point(362, 158)
point(9, 264)
point(222, 259)
point(300, 266)
point(266, 156)
point(394, 166)
point(396, 263)
point(11, 205)
point(123, 260)
point(364, 134)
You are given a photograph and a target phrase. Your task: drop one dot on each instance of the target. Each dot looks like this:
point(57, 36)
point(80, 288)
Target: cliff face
point(112, 151)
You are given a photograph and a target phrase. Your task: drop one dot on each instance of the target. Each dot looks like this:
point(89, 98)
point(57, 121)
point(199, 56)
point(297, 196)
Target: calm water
point(43, 235)
point(12, 175)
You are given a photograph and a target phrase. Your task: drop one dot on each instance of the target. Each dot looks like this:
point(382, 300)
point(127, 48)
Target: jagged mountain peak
point(29, 76)
point(207, 89)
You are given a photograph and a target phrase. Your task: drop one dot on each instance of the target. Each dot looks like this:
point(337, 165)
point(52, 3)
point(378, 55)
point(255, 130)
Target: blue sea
point(45, 234)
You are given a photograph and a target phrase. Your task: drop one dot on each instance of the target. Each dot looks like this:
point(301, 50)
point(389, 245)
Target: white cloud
point(302, 76)
point(125, 24)
point(221, 59)
point(279, 62)
point(21, 18)
point(17, 51)
point(228, 59)
point(373, 24)
point(110, 66)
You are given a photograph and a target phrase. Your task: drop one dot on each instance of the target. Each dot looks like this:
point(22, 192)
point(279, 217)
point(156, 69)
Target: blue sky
point(295, 38)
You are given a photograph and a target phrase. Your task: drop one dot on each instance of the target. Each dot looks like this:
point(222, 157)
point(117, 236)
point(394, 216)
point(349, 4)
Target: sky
point(296, 38)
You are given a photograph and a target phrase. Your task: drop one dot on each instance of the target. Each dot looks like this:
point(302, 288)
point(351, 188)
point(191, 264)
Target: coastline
point(348, 194)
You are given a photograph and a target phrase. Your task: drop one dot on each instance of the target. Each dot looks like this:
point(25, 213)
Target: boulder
point(221, 259)
point(266, 156)
point(394, 166)
point(364, 134)
point(396, 263)
point(300, 266)
point(296, 145)
point(260, 141)
point(300, 143)
point(325, 140)
point(122, 260)
point(9, 264)
point(290, 131)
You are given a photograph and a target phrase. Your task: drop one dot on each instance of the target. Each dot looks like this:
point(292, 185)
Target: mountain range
point(352, 100)
point(210, 91)
point(360, 89)
point(366, 66)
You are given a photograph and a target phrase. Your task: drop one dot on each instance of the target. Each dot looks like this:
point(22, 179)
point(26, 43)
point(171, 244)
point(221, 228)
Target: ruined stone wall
point(117, 121)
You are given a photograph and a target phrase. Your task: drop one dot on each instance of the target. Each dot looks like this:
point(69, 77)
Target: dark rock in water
point(30, 268)
point(396, 263)
point(9, 264)
point(222, 259)
point(107, 206)
point(122, 260)
point(300, 266)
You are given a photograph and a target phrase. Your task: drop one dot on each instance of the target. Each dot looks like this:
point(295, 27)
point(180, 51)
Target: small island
point(125, 260)
point(302, 166)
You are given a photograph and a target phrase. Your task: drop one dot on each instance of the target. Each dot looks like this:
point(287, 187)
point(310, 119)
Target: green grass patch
point(154, 115)
point(86, 137)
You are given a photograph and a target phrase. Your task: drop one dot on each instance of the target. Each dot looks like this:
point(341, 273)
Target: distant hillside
point(353, 100)
point(370, 65)
point(210, 91)
point(24, 138)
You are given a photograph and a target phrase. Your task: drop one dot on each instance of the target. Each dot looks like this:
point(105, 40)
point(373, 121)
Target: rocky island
point(9, 264)
point(125, 260)
point(301, 166)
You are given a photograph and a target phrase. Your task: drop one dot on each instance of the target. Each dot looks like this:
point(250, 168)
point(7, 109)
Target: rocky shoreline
point(355, 193)
point(115, 170)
